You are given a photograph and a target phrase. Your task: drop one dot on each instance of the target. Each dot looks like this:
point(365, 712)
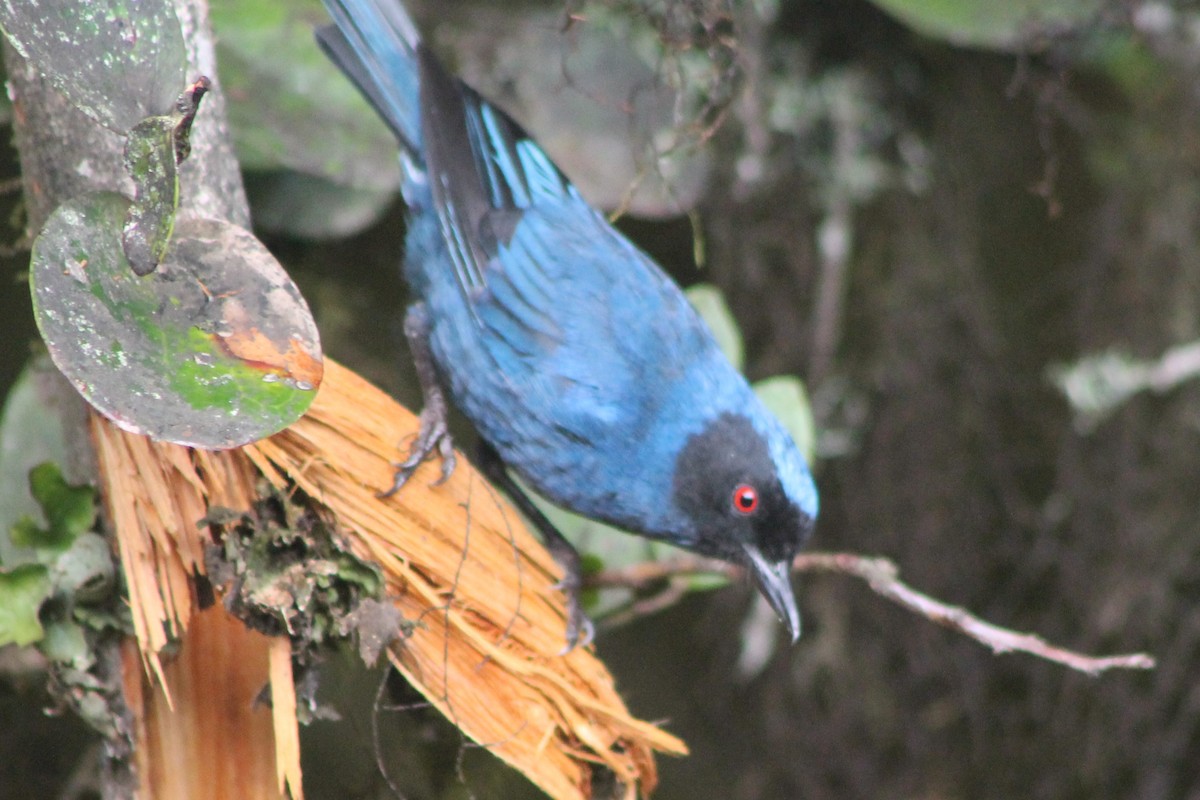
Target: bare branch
point(883, 577)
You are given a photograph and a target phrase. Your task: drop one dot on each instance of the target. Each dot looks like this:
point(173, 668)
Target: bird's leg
point(578, 625)
point(433, 433)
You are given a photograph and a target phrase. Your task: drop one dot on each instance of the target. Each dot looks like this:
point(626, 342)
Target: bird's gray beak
point(775, 582)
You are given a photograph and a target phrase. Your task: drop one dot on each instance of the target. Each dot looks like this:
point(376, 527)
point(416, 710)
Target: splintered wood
point(457, 560)
point(156, 494)
point(215, 742)
point(460, 563)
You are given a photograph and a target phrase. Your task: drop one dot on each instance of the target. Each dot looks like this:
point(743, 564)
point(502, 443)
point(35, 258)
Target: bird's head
point(749, 499)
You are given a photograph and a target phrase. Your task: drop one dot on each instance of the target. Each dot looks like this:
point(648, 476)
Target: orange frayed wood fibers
point(459, 561)
point(283, 718)
point(155, 495)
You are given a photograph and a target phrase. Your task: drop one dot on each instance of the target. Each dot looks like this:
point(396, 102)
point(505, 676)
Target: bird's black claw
point(449, 461)
point(580, 629)
point(433, 435)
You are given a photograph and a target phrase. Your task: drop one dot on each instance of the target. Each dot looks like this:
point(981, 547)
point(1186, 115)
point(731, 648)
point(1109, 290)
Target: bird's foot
point(433, 435)
point(580, 629)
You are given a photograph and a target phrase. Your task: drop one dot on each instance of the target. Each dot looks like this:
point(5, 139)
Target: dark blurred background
point(937, 225)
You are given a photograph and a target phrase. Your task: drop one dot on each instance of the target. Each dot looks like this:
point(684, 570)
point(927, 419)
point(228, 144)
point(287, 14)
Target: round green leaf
point(118, 61)
point(214, 349)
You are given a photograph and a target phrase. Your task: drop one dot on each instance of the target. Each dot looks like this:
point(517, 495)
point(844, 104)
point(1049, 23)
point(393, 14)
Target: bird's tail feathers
point(375, 43)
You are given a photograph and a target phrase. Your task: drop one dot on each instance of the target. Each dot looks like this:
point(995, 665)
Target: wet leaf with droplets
point(215, 349)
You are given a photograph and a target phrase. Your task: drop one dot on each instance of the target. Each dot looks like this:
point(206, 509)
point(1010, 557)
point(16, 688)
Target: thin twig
point(883, 577)
point(674, 591)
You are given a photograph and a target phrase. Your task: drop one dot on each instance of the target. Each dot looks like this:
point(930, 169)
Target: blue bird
point(579, 362)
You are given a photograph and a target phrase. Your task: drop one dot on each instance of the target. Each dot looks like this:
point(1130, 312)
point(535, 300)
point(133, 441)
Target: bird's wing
point(552, 284)
point(485, 172)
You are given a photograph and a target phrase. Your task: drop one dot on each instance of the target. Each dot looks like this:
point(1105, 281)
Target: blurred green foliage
point(1004, 25)
point(52, 563)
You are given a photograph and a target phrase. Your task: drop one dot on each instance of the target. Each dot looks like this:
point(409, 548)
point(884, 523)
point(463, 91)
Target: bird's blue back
point(571, 352)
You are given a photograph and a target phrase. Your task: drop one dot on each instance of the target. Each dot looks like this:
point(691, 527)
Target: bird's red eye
point(745, 499)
